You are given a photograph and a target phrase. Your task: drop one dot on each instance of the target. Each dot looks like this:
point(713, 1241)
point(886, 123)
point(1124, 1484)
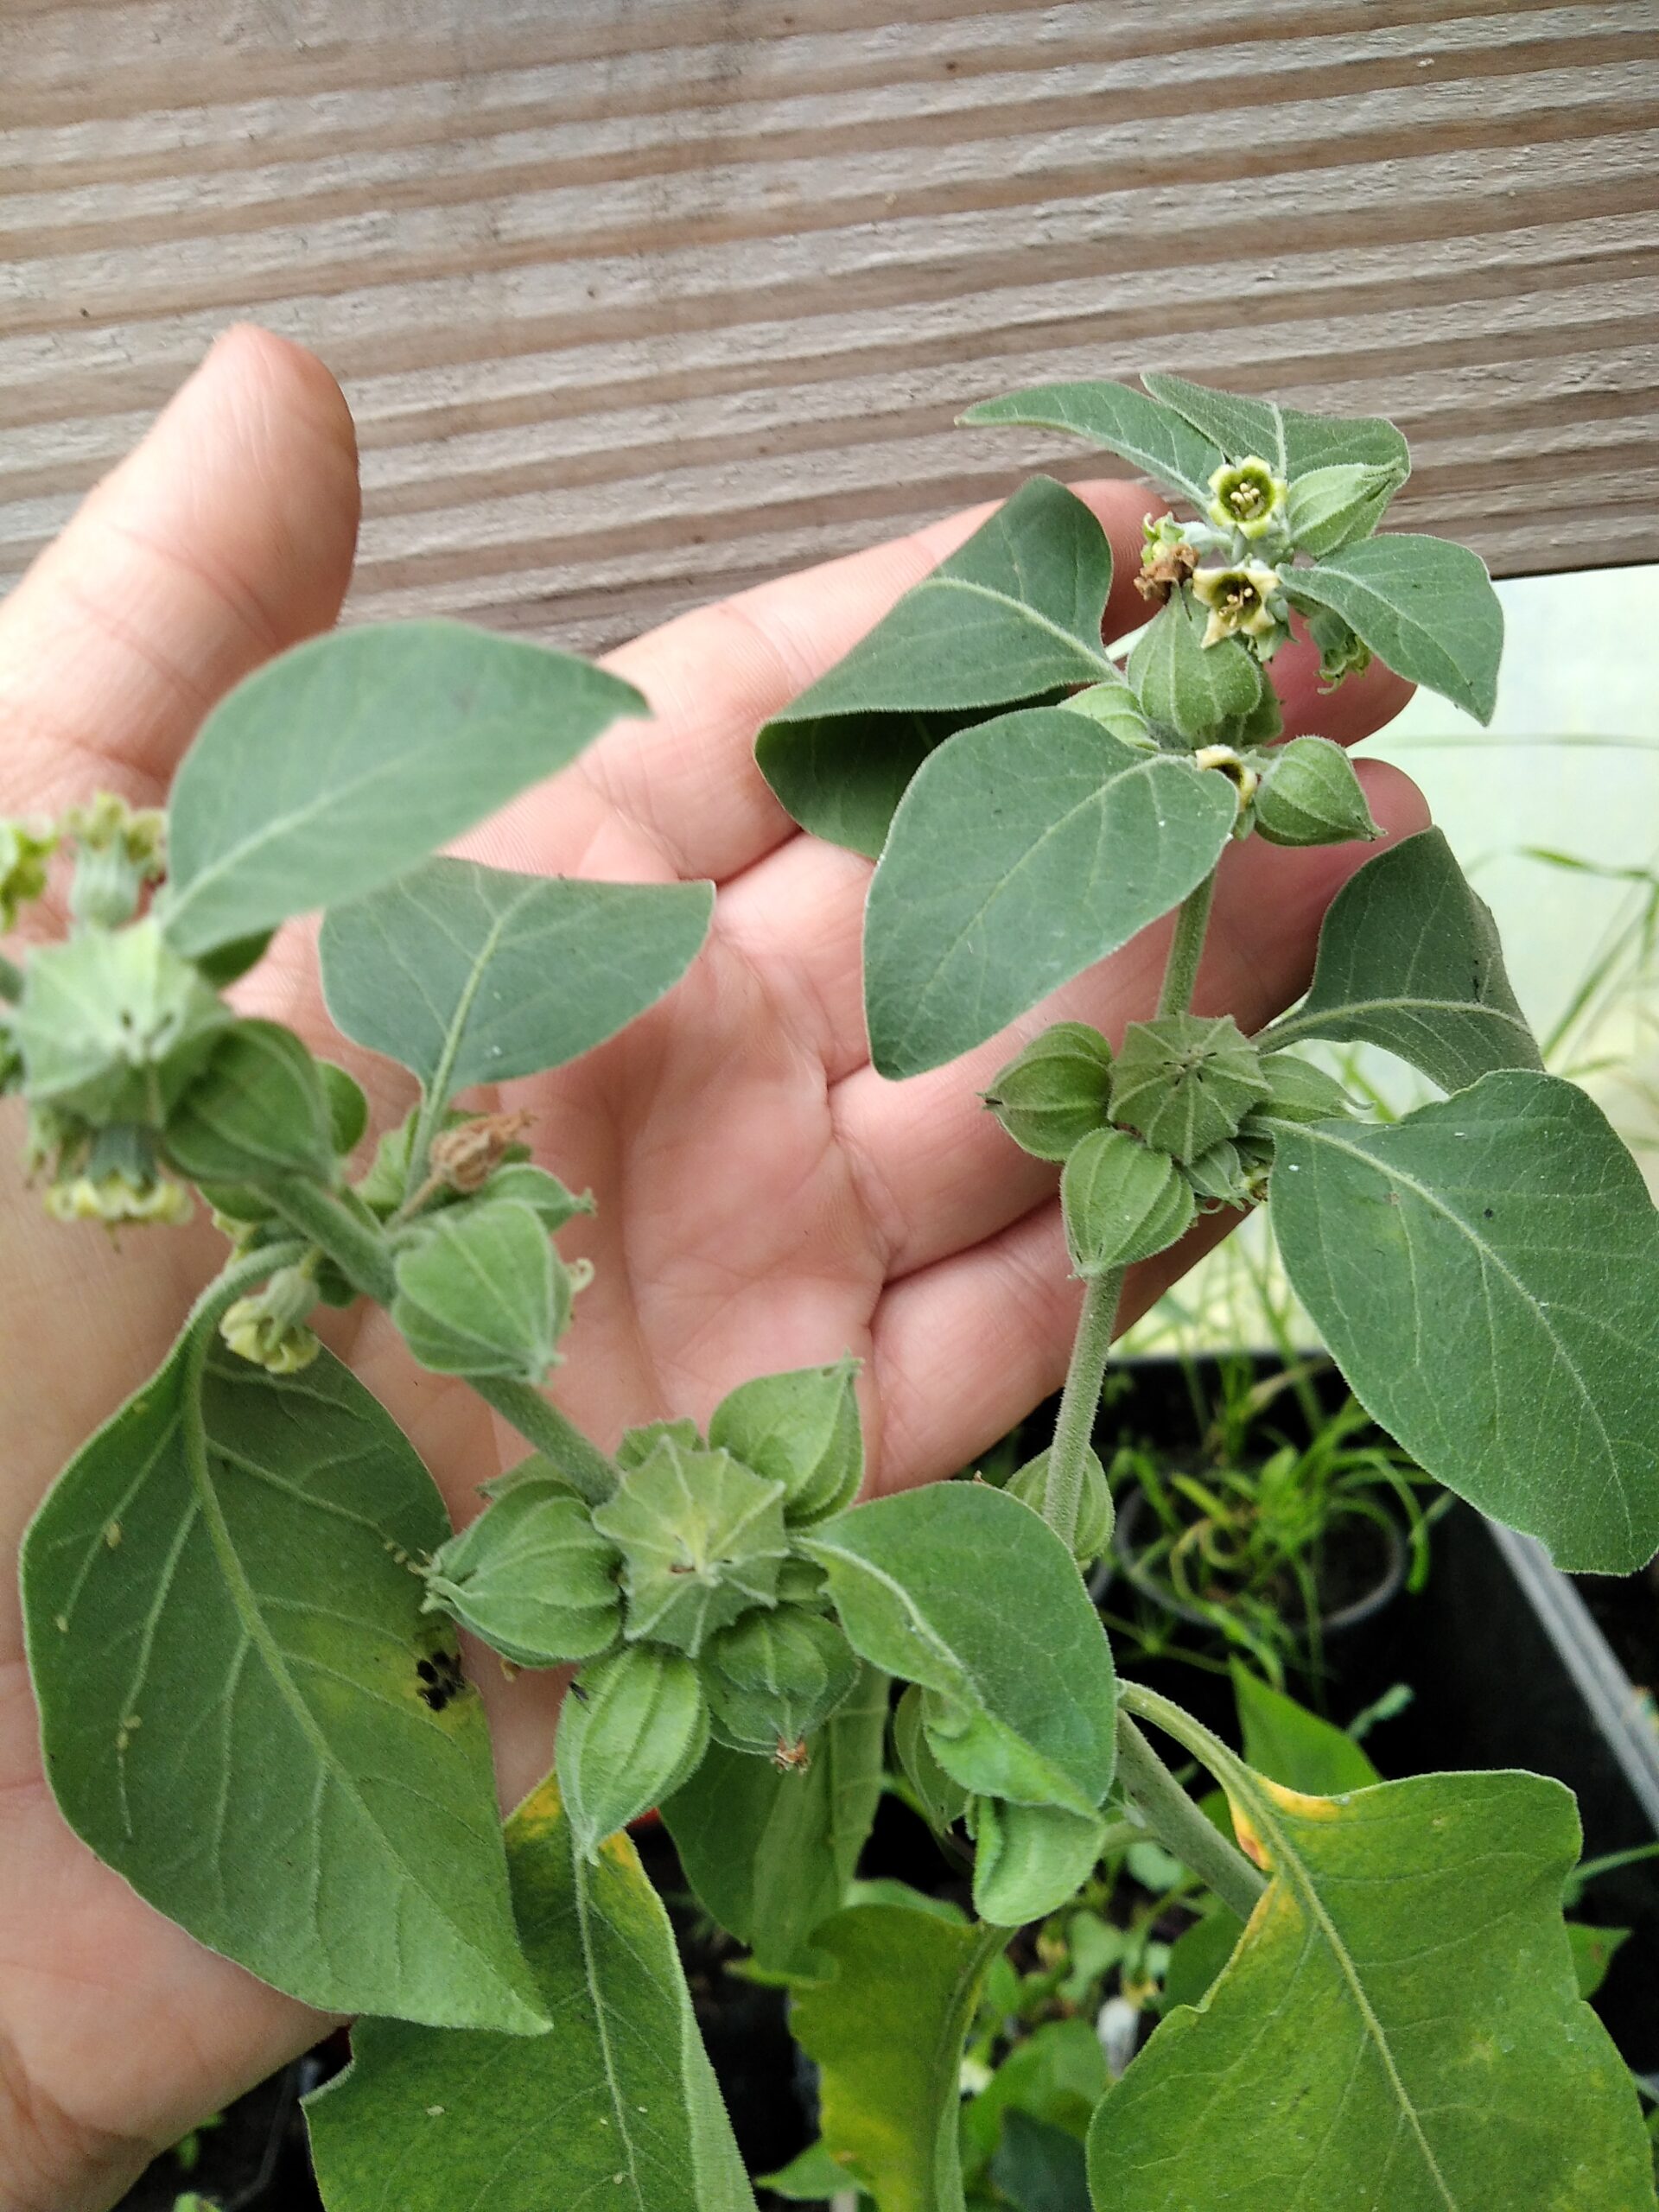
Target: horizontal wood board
point(639, 300)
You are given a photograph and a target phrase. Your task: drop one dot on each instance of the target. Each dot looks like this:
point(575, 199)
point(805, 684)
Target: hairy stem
point(359, 1252)
point(558, 1440)
point(1090, 1348)
point(1176, 1821)
point(236, 1276)
point(1186, 947)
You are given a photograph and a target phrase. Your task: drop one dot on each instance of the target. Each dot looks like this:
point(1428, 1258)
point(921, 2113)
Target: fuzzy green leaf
point(1291, 1745)
point(619, 2106)
point(1486, 1274)
point(224, 1646)
point(770, 1852)
point(471, 974)
point(1025, 849)
point(1293, 444)
point(349, 759)
point(258, 1110)
point(1040, 2167)
point(964, 1589)
point(1030, 1859)
point(886, 2027)
point(1424, 607)
point(943, 1800)
point(1398, 2026)
point(1158, 439)
point(1330, 507)
point(1409, 959)
point(1012, 615)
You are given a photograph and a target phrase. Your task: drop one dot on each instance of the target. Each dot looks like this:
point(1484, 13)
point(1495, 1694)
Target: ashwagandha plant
point(242, 1596)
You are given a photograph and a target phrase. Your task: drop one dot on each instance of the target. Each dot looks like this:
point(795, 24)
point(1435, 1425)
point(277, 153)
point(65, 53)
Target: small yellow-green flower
point(1246, 496)
point(118, 1197)
point(269, 1329)
point(1237, 600)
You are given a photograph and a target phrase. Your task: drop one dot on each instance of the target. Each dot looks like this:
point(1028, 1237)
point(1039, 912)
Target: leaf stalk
point(1177, 1822)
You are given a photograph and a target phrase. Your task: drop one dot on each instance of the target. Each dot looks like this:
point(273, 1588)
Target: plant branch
point(359, 1252)
point(539, 1421)
point(1177, 1822)
point(1090, 1348)
point(1186, 947)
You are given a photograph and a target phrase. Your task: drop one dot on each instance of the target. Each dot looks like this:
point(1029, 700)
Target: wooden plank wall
point(638, 299)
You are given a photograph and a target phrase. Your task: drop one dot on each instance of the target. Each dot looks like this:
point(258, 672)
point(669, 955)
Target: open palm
point(765, 1199)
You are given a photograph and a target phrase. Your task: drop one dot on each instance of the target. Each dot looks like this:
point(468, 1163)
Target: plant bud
point(532, 1576)
point(1298, 1091)
point(1311, 796)
point(802, 1582)
point(771, 1678)
point(702, 1539)
point(1332, 507)
point(943, 1801)
point(269, 1329)
point(1029, 1860)
point(1185, 1081)
point(1053, 1093)
point(113, 1025)
point(258, 1112)
point(118, 850)
point(1094, 1530)
point(1122, 1201)
point(1342, 651)
point(348, 1109)
point(480, 1291)
point(632, 1729)
point(25, 849)
point(802, 1430)
point(639, 1444)
point(1114, 707)
point(1218, 1178)
point(1246, 496)
point(541, 1192)
point(114, 1177)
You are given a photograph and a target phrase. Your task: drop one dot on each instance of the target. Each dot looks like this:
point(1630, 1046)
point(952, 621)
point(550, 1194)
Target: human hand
point(764, 1200)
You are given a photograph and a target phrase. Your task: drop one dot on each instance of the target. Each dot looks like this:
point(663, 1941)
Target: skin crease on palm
point(765, 1199)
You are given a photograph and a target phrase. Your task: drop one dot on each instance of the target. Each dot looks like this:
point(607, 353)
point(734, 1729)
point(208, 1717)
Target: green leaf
point(1292, 1746)
point(887, 2026)
point(471, 974)
point(258, 1111)
point(1187, 687)
point(770, 1853)
point(349, 759)
point(1486, 1274)
point(1040, 2167)
point(480, 1291)
point(809, 2178)
point(943, 1801)
point(1294, 444)
point(634, 1728)
point(1399, 2025)
point(1025, 849)
point(1012, 615)
point(1593, 1951)
point(1425, 606)
point(1057, 2074)
point(801, 1429)
point(964, 1589)
point(1030, 1859)
point(224, 1643)
point(1199, 1955)
point(348, 1108)
point(619, 2106)
point(532, 1575)
point(1160, 441)
point(1409, 959)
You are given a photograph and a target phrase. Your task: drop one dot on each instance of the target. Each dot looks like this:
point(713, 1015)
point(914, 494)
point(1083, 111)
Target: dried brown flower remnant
point(1164, 566)
point(466, 1157)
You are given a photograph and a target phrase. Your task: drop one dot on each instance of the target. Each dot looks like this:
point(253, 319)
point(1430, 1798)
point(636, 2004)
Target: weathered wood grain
point(635, 300)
